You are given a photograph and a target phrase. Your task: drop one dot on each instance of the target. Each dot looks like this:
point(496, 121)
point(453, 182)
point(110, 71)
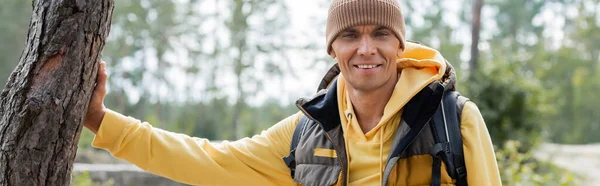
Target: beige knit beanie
point(344, 14)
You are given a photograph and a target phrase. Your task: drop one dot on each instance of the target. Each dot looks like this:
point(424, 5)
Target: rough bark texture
point(46, 97)
point(475, 28)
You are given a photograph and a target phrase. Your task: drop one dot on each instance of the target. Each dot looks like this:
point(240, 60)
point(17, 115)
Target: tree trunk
point(475, 28)
point(241, 99)
point(239, 31)
point(46, 97)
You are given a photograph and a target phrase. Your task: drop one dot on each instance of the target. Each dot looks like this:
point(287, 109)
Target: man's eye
point(381, 34)
point(349, 35)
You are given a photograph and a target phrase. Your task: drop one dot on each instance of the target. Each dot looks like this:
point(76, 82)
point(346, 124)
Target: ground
point(582, 160)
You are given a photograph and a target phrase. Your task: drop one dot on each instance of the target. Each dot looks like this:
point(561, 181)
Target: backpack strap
point(448, 145)
point(290, 160)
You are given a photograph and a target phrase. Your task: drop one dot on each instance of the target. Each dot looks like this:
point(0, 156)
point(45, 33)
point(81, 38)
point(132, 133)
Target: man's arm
point(196, 161)
point(480, 159)
point(249, 161)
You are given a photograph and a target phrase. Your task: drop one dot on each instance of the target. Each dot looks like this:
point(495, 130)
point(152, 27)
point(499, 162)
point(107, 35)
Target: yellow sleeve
point(197, 161)
point(480, 159)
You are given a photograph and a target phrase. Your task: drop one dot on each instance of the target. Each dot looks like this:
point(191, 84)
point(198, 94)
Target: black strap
point(455, 106)
point(448, 140)
point(441, 146)
point(436, 174)
point(290, 160)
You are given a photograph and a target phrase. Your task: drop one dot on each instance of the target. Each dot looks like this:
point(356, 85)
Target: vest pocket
point(317, 174)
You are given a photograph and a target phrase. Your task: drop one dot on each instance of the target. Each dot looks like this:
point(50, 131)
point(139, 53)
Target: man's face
point(366, 55)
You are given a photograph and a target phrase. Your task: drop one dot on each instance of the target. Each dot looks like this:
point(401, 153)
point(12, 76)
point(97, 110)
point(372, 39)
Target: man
point(351, 125)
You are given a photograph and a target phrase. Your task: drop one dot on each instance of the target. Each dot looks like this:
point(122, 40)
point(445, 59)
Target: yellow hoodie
point(257, 160)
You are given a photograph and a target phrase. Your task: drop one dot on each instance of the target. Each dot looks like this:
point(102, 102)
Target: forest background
point(228, 69)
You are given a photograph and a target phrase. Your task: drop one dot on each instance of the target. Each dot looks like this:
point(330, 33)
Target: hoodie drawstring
point(381, 154)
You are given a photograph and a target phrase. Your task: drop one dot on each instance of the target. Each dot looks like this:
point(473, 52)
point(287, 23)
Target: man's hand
point(96, 110)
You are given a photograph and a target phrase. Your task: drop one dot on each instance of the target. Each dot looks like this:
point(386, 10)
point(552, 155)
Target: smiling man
point(371, 124)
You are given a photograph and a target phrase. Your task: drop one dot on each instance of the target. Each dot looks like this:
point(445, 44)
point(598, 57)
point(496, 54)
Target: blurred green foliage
point(84, 179)
point(14, 16)
point(518, 168)
point(507, 105)
point(537, 77)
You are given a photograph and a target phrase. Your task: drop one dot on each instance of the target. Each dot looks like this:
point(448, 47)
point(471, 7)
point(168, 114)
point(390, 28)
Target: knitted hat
point(344, 14)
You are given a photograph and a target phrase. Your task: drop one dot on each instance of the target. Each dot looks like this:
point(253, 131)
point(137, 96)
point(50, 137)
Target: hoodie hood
point(418, 67)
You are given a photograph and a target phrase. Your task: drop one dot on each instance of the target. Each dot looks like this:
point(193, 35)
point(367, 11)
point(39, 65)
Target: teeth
point(367, 66)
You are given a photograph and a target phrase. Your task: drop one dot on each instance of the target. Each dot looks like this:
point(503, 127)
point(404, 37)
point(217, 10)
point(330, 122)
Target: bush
point(511, 106)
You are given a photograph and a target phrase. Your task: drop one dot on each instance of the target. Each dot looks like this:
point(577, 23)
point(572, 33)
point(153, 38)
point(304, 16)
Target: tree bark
point(45, 100)
point(475, 28)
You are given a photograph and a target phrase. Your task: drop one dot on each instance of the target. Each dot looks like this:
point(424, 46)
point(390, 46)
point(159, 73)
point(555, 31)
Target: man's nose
point(367, 46)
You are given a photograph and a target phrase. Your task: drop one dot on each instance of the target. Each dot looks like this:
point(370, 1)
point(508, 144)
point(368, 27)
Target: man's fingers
point(101, 79)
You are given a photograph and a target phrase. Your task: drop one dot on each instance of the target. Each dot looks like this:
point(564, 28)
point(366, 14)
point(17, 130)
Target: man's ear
point(332, 54)
point(400, 51)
